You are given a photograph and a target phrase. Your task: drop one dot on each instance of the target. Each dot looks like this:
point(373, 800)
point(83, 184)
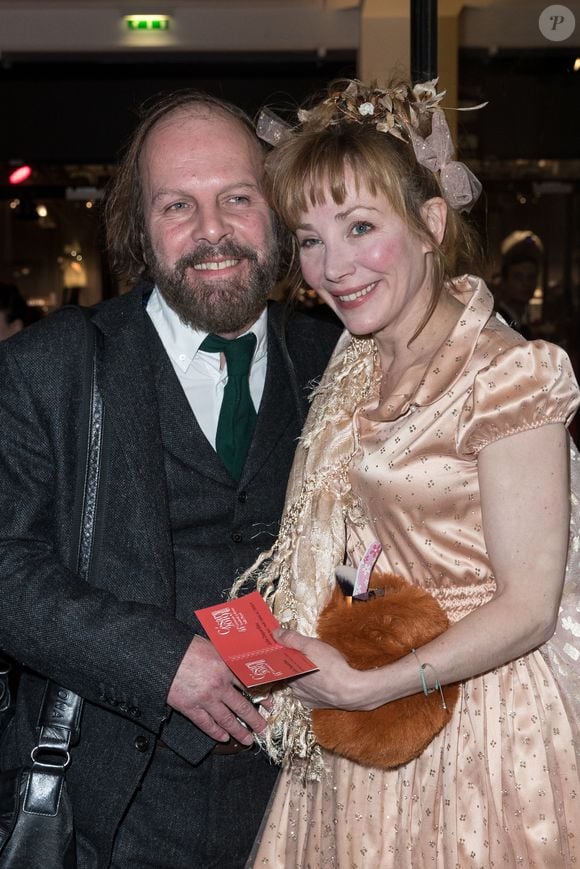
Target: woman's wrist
point(391, 682)
point(372, 688)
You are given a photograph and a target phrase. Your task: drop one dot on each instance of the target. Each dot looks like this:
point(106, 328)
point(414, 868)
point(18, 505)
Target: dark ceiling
point(80, 109)
point(533, 103)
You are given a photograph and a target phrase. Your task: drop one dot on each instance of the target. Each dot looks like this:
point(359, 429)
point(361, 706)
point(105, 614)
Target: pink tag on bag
point(364, 570)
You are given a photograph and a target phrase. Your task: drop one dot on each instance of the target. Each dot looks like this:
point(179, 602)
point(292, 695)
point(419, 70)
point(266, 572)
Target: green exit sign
point(147, 22)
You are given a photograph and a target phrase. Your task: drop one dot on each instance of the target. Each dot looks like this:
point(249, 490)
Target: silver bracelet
point(423, 669)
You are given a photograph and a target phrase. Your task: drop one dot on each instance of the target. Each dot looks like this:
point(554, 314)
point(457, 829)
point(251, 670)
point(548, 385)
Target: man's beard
point(219, 306)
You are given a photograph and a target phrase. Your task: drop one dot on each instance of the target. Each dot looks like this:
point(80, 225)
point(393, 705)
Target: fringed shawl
point(296, 576)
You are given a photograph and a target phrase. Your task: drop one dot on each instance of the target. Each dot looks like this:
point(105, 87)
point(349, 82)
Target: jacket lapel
point(281, 404)
point(127, 383)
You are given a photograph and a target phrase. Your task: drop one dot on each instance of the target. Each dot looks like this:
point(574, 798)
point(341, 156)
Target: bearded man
point(164, 774)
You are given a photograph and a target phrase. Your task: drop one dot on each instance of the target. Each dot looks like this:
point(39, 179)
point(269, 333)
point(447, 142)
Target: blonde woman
point(440, 432)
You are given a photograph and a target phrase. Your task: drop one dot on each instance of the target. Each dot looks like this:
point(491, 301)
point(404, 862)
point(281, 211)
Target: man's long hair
point(124, 214)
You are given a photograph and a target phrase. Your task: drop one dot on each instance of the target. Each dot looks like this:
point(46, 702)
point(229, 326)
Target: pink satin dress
point(499, 786)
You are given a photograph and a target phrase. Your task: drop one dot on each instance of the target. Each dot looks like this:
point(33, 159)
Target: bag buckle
point(36, 757)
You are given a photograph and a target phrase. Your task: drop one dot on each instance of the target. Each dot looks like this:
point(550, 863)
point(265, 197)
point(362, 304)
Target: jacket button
point(242, 497)
point(141, 744)
point(237, 537)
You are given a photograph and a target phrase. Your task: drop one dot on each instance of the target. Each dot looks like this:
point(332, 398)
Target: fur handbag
point(371, 633)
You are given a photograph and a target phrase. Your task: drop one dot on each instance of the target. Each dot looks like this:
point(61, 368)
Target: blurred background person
point(14, 312)
point(521, 260)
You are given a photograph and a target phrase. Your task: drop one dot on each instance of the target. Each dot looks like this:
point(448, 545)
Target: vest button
point(237, 537)
point(242, 497)
point(141, 744)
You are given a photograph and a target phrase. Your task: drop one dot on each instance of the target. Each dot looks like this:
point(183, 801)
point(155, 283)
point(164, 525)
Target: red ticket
point(241, 632)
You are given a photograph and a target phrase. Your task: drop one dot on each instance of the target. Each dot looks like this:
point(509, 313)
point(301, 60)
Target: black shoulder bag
point(36, 819)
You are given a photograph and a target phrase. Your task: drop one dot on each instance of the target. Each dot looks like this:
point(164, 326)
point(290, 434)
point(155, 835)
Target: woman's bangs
point(307, 176)
point(311, 180)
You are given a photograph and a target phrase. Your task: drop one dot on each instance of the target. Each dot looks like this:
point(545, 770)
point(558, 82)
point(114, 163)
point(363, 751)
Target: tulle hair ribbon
point(459, 185)
point(270, 128)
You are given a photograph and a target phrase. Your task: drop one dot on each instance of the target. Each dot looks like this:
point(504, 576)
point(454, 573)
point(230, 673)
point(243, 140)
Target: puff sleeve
point(524, 387)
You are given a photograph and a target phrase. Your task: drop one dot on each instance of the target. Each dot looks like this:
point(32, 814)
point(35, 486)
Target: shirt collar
point(182, 342)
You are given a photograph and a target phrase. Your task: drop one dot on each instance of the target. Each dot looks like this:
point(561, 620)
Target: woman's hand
point(335, 684)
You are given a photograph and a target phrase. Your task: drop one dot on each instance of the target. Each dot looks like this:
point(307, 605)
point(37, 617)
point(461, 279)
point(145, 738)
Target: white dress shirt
point(200, 373)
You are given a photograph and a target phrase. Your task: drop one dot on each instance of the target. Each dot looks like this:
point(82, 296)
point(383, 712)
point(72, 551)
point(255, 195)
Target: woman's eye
point(306, 243)
point(239, 200)
point(361, 227)
point(176, 206)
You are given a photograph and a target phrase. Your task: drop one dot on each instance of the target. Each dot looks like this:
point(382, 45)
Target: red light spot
point(19, 175)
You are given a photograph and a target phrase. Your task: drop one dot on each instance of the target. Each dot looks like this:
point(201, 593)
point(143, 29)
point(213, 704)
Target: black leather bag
point(36, 818)
point(44, 838)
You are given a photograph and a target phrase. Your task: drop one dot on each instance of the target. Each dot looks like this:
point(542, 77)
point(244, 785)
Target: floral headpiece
point(401, 112)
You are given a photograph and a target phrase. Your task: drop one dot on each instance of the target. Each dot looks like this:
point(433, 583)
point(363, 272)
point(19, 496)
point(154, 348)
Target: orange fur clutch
point(370, 634)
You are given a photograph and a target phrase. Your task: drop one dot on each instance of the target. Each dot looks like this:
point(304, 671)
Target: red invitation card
point(241, 632)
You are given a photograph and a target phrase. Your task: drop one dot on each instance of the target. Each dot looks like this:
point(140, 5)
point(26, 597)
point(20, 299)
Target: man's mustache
point(206, 252)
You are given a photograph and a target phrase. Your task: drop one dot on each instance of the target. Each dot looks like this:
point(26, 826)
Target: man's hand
point(204, 691)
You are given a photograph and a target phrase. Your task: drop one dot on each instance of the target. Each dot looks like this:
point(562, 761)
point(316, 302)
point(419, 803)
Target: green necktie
point(237, 417)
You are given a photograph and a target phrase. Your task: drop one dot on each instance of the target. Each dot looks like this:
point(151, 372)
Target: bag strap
point(60, 714)
point(5, 668)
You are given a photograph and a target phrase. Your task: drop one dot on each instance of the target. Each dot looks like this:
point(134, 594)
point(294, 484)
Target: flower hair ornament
point(401, 112)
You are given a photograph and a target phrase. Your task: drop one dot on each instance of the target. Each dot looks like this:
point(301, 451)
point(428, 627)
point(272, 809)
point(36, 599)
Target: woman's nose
point(338, 264)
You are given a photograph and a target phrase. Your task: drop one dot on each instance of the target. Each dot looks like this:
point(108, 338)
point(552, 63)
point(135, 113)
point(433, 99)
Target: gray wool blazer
point(115, 640)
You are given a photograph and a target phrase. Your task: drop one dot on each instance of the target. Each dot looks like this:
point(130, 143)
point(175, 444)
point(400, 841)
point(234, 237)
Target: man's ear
point(434, 213)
